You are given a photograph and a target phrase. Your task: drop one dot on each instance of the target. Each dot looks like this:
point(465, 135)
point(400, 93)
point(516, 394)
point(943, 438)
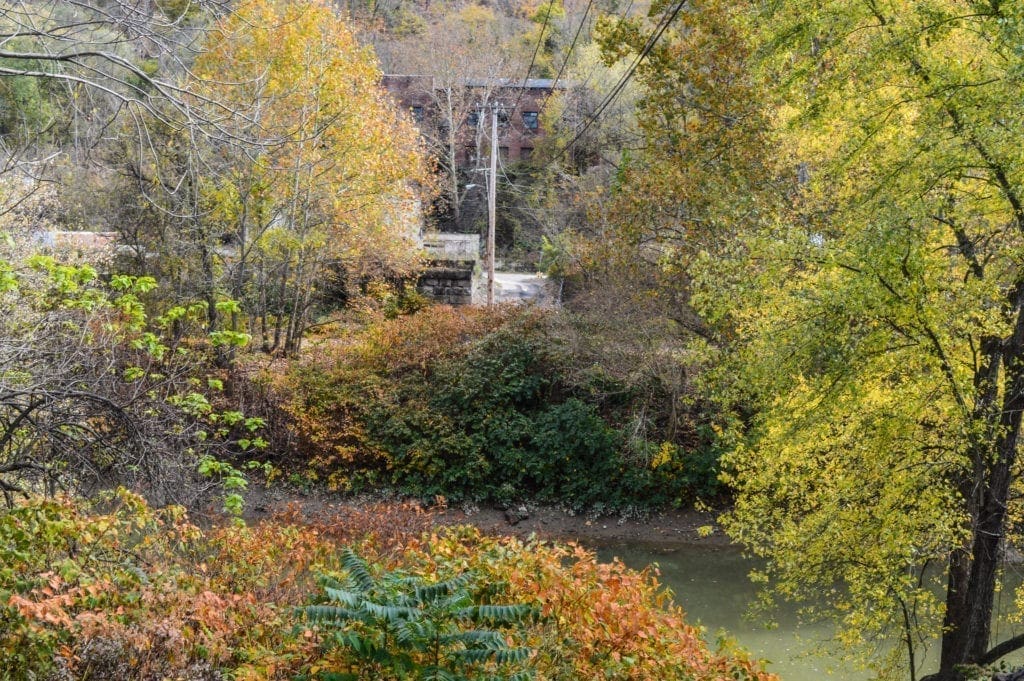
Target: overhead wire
point(568, 54)
point(561, 70)
point(651, 42)
point(572, 46)
point(622, 18)
point(663, 24)
point(649, 45)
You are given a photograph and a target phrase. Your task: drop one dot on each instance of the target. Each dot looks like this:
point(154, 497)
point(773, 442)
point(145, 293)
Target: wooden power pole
point(492, 199)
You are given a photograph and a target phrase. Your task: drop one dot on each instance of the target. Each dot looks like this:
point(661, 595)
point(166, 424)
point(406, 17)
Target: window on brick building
point(525, 153)
point(417, 113)
point(531, 120)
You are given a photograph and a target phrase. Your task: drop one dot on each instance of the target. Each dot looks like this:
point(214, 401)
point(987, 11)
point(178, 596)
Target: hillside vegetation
point(786, 243)
point(484, 406)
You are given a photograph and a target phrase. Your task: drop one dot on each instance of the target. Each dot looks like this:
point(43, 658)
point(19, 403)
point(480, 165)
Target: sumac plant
point(398, 625)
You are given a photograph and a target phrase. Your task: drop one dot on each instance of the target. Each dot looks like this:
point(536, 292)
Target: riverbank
point(666, 529)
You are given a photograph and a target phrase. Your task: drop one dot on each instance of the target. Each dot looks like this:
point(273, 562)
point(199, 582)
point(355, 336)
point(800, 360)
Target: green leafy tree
point(881, 322)
point(95, 393)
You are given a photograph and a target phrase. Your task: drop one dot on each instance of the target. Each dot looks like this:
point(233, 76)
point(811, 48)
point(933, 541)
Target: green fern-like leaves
point(498, 614)
point(406, 627)
point(357, 569)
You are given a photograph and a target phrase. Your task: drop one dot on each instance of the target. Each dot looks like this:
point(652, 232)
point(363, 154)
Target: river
point(711, 585)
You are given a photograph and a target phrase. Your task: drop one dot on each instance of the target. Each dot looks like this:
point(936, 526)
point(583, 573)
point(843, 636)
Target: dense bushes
point(117, 591)
point(470, 404)
point(97, 392)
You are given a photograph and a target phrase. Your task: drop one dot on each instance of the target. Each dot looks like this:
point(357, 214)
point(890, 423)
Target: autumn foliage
point(116, 590)
point(328, 186)
point(599, 620)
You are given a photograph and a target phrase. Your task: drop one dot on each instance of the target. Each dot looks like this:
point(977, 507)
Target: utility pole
point(492, 199)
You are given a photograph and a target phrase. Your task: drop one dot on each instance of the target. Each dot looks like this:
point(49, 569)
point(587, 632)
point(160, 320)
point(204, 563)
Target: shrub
point(466, 404)
point(118, 591)
point(115, 590)
point(598, 620)
point(397, 624)
point(95, 392)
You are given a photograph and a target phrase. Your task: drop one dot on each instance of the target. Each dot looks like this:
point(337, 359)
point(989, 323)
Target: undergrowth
point(116, 590)
point(473, 405)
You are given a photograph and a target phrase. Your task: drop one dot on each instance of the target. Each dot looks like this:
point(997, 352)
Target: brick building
point(519, 103)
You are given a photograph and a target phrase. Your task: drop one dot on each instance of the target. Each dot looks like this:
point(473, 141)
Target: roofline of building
point(510, 83)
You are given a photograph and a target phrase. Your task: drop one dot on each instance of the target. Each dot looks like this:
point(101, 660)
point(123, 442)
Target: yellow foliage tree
point(881, 322)
point(331, 179)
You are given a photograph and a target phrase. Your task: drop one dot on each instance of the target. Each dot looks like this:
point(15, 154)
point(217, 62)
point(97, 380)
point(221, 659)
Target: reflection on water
point(711, 585)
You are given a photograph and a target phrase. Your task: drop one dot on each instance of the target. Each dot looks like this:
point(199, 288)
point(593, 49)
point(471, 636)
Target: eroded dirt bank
point(665, 529)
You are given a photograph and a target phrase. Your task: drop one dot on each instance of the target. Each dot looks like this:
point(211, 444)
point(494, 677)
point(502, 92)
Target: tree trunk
point(971, 583)
point(452, 162)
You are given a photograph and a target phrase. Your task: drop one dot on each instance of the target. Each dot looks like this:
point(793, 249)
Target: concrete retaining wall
point(449, 277)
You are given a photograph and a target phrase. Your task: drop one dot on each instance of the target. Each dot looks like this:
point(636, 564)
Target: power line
point(536, 50)
point(568, 54)
point(617, 25)
point(590, 75)
point(626, 77)
point(666, 20)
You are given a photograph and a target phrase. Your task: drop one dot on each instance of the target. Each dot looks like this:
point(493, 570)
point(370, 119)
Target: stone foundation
point(448, 281)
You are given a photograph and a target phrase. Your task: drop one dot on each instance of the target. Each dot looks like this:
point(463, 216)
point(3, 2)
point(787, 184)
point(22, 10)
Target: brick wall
point(519, 127)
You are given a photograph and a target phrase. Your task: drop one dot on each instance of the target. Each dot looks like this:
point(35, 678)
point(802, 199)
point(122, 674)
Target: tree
point(85, 43)
point(881, 320)
point(94, 393)
point(686, 166)
point(542, 39)
point(569, 114)
point(322, 180)
point(469, 55)
point(682, 165)
point(700, 164)
point(68, 69)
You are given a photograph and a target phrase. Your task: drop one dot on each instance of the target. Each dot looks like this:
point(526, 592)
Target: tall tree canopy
point(881, 318)
point(320, 184)
point(329, 141)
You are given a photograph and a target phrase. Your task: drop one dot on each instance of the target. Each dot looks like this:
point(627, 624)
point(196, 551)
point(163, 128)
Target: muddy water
point(711, 585)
